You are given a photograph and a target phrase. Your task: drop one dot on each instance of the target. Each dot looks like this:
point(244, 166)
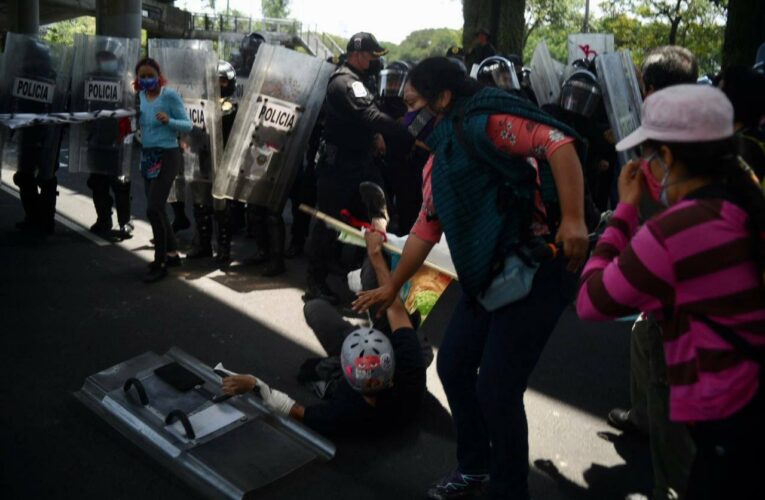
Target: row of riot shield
point(102, 77)
point(34, 79)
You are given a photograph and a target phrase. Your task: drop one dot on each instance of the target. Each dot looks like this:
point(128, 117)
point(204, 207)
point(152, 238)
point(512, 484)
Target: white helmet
point(368, 361)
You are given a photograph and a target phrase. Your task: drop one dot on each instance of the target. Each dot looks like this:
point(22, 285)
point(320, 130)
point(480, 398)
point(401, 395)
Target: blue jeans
point(487, 407)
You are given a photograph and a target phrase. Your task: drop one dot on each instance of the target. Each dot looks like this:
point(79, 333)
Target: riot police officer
point(104, 140)
point(354, 129)
point(38, 146)
point(206, 208)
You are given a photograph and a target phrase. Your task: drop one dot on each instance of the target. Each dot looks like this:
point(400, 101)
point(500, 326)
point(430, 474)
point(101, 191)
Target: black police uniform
point(351, 121)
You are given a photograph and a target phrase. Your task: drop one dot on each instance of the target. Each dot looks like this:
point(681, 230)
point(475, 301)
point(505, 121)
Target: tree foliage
point(63, 32)
point(276, 9)
point(423, 43)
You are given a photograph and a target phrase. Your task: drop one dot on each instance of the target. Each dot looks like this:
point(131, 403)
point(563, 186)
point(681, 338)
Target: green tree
point(276, 9)
point(421, 44)
point(63, 32)
point(552, 14)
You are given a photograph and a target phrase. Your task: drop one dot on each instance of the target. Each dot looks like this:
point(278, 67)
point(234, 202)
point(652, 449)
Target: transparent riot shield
point(191, 68)
point(102, 76)
point(35, 79)
point(621, 94)
point(172, 407)
point(229, 49)
point(589, 45)
point(545, 75)
point(271, 129)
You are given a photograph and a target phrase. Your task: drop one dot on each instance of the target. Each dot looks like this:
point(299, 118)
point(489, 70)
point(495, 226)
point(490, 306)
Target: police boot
point(102, 202)
point(29, 201)
point(223, 218)
point(202, 246)
point(47, 200)
point(238, 216)
point(122, 204)
point(275, 265)
point(180, 221)
point(258, 222)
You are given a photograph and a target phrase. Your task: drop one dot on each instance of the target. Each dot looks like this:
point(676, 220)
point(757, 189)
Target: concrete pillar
point(120, 18)
point(24, 16)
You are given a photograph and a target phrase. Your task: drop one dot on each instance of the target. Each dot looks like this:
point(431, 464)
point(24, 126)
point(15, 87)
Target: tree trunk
point(673, 30)
point(503, 18)
point(744, 32)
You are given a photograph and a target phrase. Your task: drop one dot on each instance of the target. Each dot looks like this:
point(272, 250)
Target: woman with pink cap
point(698, 268)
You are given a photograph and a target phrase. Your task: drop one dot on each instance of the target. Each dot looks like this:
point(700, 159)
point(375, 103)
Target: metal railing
point(236, 24)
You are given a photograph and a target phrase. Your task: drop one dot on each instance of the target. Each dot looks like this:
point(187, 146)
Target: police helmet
point(227, 72)
point(251, 43)
point(393, 79)
point(580, 93)
point(37, 58)
point(367, 360)
point(498, 71)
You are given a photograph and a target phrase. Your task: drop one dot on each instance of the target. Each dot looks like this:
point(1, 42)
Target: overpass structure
point(161, 19)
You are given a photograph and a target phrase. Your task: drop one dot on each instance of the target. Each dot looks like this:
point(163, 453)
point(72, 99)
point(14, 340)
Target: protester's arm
point(396, 313)
point(569, 183)
point(179, 119)
point(277, 401)
point(415, 252)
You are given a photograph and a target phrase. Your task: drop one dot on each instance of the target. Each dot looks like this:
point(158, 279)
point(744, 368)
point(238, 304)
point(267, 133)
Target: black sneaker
point(126, 231)
point(157, 271)
point(373, 198)
point(321, 291)
point(173, 261)
point(619, 418)
point(458, 485)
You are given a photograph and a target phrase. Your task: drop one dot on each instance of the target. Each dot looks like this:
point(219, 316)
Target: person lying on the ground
point(385, 375)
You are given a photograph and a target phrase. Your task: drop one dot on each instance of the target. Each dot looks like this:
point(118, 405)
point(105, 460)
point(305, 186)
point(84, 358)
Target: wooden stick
point(342, 226)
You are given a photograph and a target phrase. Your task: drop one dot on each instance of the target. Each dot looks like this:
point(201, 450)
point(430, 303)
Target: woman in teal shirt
point(161, 118)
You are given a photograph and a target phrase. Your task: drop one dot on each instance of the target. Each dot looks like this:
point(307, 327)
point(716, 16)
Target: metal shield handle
point(134, 382)
point(176, 415)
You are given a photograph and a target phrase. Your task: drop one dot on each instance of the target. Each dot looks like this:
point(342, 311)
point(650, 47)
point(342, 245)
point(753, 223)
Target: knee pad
point(24, 180)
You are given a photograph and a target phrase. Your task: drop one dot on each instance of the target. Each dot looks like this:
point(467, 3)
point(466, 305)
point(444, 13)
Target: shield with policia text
point(621, 94)
point(35, 78)
point(546, 75)
point(270, 134)
point(102, 77)
point(191, 69)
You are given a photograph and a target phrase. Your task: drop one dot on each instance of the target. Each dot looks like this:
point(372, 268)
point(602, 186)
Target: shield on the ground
point(171, 406)
point(35, 79)
point(545, 76)
point(270, 134)
point(191, 68)
point(621, 94)
point(102, 78)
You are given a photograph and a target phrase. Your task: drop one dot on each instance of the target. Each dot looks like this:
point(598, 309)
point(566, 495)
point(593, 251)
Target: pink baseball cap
point(683, 113)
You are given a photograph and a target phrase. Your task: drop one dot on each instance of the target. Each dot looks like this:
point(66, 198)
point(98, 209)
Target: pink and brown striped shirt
point(693, 260)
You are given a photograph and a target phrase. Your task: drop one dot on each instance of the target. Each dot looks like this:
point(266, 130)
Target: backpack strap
point(741, 345)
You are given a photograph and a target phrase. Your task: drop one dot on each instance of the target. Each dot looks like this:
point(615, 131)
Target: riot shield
point(589, 45)
point(102, 76)
point(545, 75)
point(172, 407)
point(229, 49)
point(271, 129)
point(35, 79)
point(191, 68)
point(621, 94)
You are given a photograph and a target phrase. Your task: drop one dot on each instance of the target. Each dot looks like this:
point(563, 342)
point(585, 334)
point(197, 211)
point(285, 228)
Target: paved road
point(73, 304)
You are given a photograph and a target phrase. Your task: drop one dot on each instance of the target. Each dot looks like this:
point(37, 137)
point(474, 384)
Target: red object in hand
point(360, 224)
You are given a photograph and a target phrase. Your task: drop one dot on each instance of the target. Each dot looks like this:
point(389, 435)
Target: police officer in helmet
point(354, 130)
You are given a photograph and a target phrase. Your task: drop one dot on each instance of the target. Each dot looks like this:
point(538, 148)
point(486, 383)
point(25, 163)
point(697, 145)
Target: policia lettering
point(277, 114)
point(99, 90)
point(33, 90)
point(196, 115)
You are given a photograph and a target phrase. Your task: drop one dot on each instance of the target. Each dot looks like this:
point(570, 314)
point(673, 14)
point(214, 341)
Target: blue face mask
point(109, 66)
point(148, 83)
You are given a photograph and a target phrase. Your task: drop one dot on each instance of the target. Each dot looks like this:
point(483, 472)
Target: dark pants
point(337, 189)
point(729, 461)
point(303, 192)
point(157, 191)
point(103, 186)
point(487, 405)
